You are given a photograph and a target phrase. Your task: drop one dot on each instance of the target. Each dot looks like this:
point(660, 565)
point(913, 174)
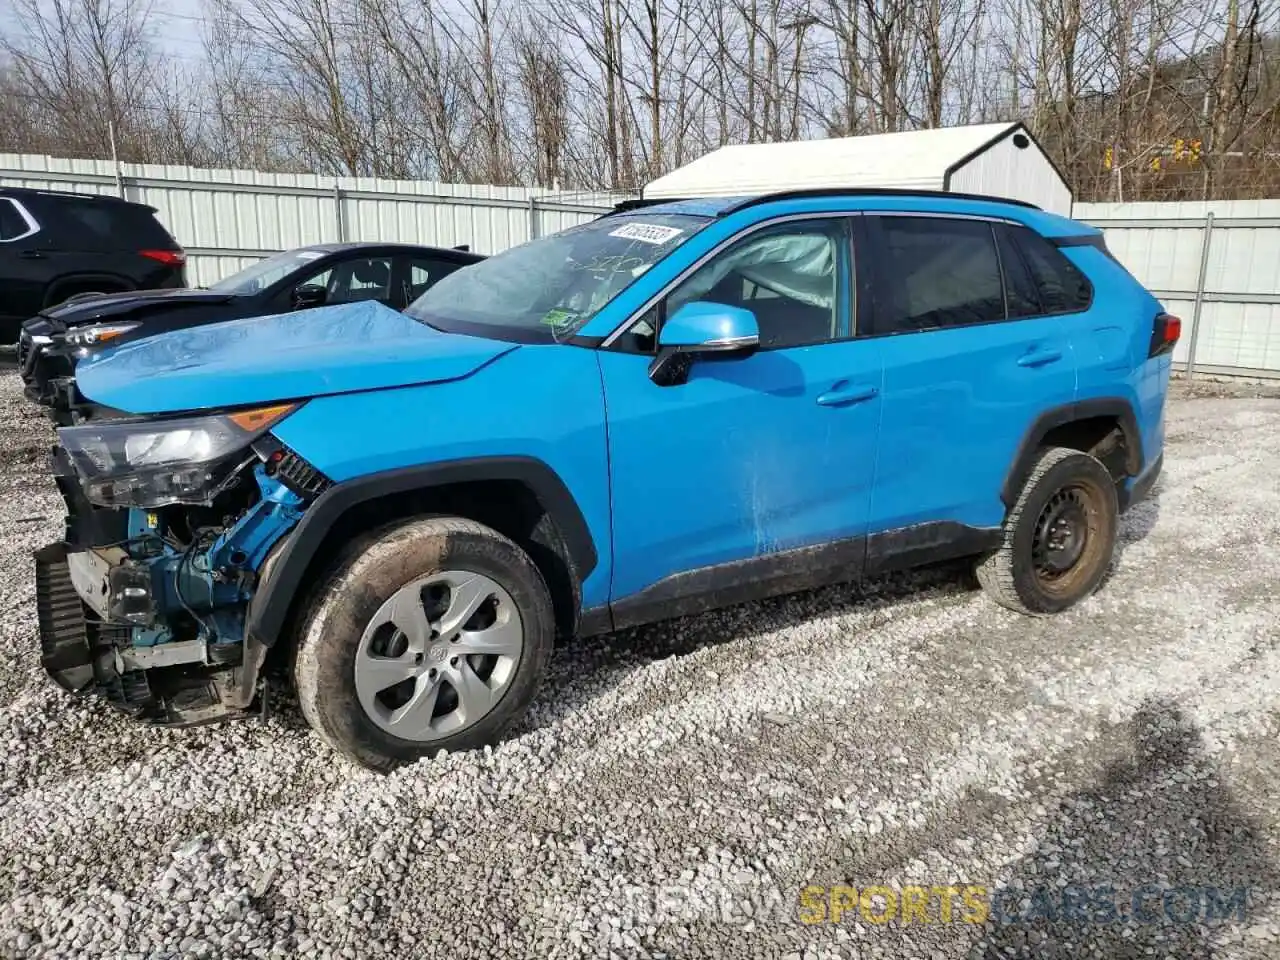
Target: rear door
point(25, 268)
point(968, 366)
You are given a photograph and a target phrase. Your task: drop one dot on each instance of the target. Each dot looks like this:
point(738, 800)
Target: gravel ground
point(676, 786)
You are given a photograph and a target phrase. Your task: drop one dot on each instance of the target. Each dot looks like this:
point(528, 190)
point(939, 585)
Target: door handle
point(844, 394)
point(31, 254)
point(1039, 358)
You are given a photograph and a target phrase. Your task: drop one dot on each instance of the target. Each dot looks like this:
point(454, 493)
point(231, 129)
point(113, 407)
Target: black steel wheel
point(1059, 537)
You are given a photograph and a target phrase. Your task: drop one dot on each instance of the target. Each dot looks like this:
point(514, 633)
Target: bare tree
point(1133, 98)
point(90, 64)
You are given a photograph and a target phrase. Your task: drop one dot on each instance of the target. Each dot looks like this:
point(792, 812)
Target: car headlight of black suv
point(154, 463)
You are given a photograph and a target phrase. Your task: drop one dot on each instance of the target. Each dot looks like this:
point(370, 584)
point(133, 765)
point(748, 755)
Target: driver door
point(757, 470)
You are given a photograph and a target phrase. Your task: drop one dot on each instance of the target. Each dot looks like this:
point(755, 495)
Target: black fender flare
point(274, 598)
point(1024, 458)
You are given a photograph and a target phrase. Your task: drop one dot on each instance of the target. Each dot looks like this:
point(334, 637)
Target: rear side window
point(423, 273)
point(1060, 285)
point(940, 272)
point(13, 225)
point(107, 225)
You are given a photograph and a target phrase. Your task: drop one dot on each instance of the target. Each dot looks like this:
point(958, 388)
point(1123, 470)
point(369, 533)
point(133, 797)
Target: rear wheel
point(431, 635)
point(1059, 537)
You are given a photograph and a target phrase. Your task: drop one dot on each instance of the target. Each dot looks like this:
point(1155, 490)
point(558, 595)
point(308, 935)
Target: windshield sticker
point(309, 254)
point(654, 233)
point(560, 318)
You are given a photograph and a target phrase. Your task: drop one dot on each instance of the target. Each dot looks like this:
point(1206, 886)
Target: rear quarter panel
point(1112, 342)
point(543, 402)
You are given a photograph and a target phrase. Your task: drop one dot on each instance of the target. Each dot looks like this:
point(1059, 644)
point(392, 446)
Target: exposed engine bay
point(146, 599)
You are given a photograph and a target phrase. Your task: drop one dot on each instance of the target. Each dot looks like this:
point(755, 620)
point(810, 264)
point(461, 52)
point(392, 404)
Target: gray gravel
point(676, 786)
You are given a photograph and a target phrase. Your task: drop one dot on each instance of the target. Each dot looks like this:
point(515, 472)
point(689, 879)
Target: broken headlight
point(153, 463)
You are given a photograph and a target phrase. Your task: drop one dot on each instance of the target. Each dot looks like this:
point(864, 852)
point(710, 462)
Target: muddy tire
point(1059, 537)
point(432, 634)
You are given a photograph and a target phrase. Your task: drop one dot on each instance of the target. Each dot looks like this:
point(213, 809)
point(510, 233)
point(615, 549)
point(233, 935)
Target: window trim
point(33, 226)
point(1010, 239)
point(847, 266)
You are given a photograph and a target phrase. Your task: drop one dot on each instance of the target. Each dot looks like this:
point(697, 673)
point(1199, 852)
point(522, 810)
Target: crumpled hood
point(106, 305)
point(289, 356)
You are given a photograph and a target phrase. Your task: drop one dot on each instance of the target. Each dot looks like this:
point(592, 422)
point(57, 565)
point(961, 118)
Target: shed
point(997, 159)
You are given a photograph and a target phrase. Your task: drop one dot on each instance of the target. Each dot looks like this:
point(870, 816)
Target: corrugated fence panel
point(1162, 244)
point(227, 218)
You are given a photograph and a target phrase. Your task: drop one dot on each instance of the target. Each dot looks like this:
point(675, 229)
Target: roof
point(723, 206)
point(72, 195)
point(1044, 222)
point(913, 159)
point(697, 207)
point(336, 247)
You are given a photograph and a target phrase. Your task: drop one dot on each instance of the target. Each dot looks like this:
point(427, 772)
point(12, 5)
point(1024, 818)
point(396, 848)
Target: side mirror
point(702, 331)
point(309, 295)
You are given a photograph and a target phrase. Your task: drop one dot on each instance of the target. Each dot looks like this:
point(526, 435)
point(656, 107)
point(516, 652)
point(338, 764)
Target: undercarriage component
point(64, 646)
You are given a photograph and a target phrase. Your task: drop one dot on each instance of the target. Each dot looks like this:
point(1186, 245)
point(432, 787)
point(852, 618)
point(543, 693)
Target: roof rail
point(106, 197)
point(638, 203)
point(868, 192)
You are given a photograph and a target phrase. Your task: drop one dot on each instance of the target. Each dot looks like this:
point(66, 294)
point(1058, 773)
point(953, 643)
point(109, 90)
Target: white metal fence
point(1217, 265)
point(225, 219)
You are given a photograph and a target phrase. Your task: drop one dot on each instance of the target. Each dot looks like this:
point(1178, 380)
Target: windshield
point(257, 277)
point(547, 289)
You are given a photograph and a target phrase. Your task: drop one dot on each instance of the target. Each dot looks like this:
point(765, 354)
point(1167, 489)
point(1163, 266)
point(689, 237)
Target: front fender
point(280, 581)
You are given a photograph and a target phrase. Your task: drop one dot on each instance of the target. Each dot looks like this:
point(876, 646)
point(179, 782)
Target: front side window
point(368, 278)
point(938, 272)
point(788, 276)
point(546, 289)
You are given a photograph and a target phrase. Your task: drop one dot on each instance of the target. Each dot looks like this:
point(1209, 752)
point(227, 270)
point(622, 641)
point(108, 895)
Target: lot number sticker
point(647, 232)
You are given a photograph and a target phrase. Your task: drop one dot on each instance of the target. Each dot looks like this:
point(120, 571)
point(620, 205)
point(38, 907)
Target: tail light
point(170, 258)
point(1165, 336)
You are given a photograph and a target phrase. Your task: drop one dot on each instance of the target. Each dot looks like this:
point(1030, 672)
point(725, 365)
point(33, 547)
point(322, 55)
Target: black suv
point(54, 246)
point(59, 337)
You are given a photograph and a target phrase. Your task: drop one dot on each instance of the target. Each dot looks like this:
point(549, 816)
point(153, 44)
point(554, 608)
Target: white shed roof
point(916, 159)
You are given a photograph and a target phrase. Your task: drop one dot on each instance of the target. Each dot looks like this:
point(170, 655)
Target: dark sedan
point(56, 339)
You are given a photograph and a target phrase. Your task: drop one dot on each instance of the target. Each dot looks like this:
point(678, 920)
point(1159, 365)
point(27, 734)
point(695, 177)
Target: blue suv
point(673, 407)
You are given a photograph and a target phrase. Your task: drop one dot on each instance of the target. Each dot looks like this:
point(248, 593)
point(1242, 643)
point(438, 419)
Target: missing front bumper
point(83, 656)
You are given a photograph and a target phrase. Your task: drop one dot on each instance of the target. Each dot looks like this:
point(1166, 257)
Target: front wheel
point(1059, 536)
point(430, 635)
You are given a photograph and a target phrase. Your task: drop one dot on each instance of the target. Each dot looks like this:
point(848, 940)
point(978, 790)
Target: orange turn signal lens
point(254, 421)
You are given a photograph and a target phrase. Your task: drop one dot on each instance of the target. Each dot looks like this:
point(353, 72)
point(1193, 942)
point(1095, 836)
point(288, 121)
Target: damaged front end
point(171, 525)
